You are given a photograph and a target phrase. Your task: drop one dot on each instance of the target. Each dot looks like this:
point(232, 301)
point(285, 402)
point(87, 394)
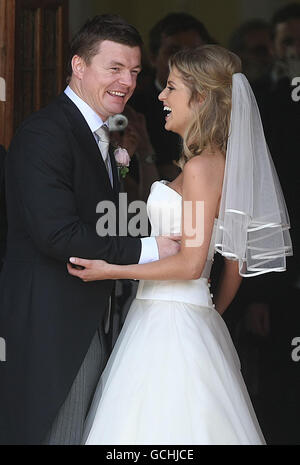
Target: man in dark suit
point(54, 325)
point(3, 222)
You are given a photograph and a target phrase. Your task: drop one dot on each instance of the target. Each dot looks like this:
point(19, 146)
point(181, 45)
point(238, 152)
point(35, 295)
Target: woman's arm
point(202, 184)
point(228, 285)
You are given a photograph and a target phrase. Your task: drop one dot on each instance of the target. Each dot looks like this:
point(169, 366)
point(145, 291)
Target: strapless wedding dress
point(174, 375)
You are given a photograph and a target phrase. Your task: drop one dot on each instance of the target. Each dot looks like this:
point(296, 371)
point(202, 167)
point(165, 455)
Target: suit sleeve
point(42, 172)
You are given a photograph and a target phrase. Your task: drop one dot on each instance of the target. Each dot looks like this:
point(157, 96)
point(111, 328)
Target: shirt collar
point(92, 118)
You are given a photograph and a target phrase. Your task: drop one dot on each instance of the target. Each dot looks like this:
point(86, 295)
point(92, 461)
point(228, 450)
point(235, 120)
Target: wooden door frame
point(7, 47)
point(9, 19)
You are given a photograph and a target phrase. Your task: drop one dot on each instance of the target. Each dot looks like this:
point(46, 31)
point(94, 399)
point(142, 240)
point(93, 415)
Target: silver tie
point(103, 143)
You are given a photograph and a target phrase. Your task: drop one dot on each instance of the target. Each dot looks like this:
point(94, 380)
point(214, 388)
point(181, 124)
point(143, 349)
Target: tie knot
point(103, 133)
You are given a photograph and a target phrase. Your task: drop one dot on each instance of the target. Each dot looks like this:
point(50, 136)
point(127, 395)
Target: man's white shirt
point(149, 252)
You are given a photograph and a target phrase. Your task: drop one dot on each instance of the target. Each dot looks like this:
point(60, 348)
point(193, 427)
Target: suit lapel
point(86, 140)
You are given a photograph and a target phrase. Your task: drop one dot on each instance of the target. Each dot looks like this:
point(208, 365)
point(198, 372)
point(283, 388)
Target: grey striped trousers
point(68, 426)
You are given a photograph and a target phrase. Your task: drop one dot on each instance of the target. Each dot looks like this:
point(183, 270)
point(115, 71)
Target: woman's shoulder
point(207, 163)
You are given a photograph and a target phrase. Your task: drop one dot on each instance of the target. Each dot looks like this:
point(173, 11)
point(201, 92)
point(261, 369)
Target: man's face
point(108, 81)
point(257, 54)
point(259, 45)
point(287, 39)
point(169, 46)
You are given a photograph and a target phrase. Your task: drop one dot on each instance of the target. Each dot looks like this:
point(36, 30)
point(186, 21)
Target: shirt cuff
point(149, 251)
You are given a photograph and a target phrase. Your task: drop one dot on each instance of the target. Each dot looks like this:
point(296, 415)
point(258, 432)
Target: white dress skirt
point(174, 375)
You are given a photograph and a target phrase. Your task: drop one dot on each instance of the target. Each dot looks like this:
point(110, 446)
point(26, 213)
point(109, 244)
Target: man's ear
point(78, 66)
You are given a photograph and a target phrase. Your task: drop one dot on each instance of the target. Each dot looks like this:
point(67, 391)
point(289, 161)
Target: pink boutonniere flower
point(123, 160)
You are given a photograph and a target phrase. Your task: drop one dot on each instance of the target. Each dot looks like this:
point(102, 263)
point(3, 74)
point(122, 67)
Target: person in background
point(286, 41)
point(172, 33)
point(252, 43)
point(135, 139)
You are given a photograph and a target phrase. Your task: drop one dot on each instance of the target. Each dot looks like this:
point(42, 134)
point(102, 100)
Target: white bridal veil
point(253, 225)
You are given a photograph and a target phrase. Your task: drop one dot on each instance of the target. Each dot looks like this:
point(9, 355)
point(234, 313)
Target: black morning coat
point(55, 177)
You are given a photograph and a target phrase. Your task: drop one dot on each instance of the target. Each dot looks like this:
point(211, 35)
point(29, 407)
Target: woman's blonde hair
point(207, 72)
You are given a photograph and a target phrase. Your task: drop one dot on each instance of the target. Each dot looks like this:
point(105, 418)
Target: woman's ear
point(201, 98)
point(197, 101)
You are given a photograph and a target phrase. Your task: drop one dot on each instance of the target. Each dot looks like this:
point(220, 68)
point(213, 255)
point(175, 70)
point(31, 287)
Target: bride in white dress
point(174, 375)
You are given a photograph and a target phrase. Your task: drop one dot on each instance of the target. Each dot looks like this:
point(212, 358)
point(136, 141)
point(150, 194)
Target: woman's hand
point(94, 270)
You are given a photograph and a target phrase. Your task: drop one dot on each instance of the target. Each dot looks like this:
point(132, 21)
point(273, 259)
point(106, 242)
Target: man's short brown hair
point(102, 27)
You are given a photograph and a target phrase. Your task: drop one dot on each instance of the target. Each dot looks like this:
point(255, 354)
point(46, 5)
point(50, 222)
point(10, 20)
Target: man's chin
point(117, 108)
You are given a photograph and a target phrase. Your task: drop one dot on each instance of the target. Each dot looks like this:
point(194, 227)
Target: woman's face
point(176, 97)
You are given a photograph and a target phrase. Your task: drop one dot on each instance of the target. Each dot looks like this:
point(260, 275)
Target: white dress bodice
point(164, 208)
